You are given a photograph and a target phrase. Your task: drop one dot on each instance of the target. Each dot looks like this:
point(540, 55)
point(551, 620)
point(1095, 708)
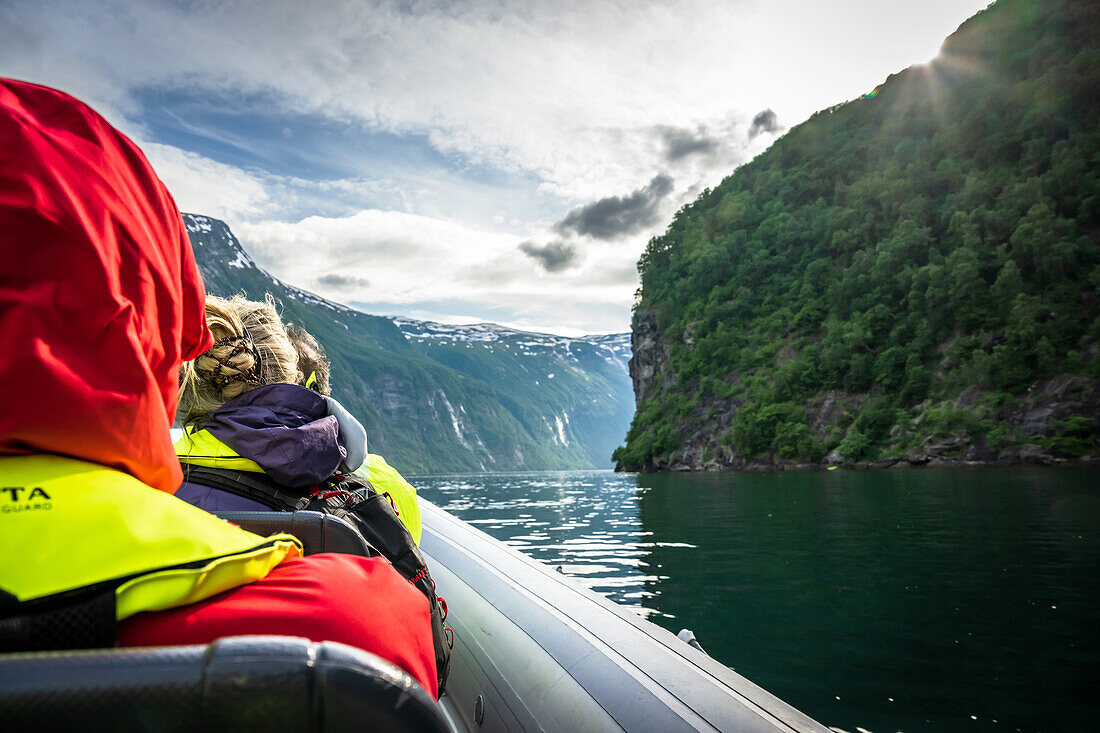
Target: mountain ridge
point(446, 404)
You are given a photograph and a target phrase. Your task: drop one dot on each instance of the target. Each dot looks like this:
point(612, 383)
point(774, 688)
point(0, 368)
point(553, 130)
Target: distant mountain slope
point(535, 373)
point(447, 402)
point(912, 275)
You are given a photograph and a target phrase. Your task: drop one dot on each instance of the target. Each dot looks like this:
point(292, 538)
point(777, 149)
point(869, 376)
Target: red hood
point(100, 298)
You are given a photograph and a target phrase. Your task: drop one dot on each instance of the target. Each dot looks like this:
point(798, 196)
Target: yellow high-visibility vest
point(387, 480)
point(67, 524)
point(201, 448)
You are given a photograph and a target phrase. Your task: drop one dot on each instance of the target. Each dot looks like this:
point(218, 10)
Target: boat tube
point(534, 650)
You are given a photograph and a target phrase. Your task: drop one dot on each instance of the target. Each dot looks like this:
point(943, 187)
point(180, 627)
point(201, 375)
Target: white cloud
point(207, 187)
point(578, 98)
point(406, 261)
point(570, 90)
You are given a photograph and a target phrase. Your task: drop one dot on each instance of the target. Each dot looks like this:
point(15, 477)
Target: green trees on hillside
point(940, 234)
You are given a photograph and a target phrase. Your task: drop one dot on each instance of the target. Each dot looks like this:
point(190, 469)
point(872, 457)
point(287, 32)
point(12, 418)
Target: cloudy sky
point(461, 161)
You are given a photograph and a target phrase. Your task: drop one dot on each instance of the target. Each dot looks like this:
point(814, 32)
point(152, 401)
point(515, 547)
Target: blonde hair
point(251, 349)
point(312, 359)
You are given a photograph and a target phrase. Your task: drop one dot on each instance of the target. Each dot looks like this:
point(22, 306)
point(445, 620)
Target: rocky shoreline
point(1027, 455)
point(1055, 422)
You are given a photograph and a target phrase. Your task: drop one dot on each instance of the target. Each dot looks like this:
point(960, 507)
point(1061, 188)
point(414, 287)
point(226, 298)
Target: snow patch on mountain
point(242, 261)
point(613, 348)
point(454, 421)
point(196, 223)
point(561, 430)
point(310, 299)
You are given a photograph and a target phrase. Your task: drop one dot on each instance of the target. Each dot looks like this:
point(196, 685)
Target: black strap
point(247, 484)
point(83, 620)
point(357, 501)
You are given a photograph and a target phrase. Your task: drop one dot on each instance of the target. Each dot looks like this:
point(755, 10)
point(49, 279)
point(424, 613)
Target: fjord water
point(914, 600)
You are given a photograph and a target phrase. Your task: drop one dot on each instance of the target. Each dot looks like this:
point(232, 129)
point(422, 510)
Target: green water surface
point(912, 600)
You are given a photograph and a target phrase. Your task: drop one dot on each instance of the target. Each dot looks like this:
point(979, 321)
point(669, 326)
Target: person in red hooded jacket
point(100, 303)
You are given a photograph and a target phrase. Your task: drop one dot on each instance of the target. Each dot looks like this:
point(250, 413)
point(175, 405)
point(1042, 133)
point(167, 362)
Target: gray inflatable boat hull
point(534, 650)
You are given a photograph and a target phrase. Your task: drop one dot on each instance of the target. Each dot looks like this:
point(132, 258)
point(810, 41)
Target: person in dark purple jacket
point(241, 409)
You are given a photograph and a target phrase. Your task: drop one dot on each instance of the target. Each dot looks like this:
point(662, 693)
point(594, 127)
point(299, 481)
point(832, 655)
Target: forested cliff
point(909, 276)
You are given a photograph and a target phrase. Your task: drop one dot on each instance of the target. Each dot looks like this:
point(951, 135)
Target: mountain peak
point(612, 348)
point(214, 235)
point(435, 397)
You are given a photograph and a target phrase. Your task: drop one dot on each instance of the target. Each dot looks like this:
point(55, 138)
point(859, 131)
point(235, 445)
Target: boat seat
point(318, 532)
point(239, 684)
point(243, 683)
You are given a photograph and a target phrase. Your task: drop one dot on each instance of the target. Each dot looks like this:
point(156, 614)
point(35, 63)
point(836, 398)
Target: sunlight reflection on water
point(872, 600)
point(586, 522)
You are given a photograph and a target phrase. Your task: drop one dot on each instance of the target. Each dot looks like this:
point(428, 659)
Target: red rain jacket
point(100, 302)
point(100, 297)
point(359, 601)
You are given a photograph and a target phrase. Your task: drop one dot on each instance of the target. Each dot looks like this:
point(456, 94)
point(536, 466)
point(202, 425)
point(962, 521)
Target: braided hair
point(251, 349)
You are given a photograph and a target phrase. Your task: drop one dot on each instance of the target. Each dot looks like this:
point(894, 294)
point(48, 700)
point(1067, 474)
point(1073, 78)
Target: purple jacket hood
point(284, 428)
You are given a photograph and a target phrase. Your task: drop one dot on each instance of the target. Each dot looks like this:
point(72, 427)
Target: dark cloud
point(554, 257)
point(765, 121)
point(335, 280)
point(615, 216)
point(680, 143)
